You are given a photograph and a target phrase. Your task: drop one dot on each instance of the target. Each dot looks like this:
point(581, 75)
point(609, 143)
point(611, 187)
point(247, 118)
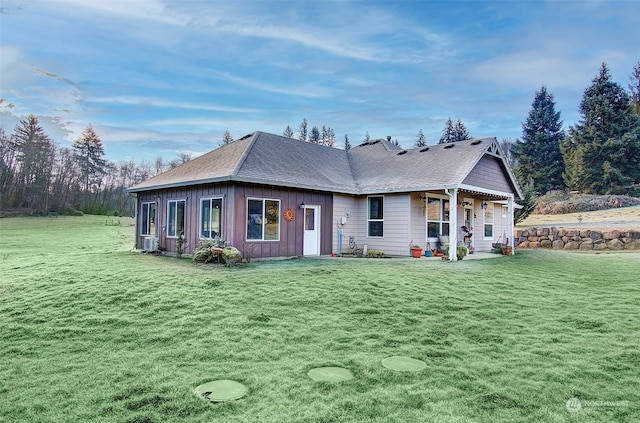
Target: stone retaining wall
point(577, 239)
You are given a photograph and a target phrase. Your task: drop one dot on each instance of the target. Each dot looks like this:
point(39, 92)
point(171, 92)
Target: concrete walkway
point(477, 255)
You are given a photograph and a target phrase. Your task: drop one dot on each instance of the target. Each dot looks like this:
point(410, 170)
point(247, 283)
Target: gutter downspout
point(512, 241)
point(135, 220)
point(453, 222)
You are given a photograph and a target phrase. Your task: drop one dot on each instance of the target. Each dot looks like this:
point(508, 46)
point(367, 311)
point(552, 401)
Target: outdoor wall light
point(301, 205)
point(483, 205)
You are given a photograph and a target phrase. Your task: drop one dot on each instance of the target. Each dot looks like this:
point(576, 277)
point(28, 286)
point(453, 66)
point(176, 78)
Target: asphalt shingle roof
point(373, 167)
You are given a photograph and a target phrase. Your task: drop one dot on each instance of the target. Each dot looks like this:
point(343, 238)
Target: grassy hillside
point(92, 331)
point(618, 218)
point(562, 203)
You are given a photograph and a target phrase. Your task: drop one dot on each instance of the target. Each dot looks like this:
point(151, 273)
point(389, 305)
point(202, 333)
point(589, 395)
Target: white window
point(488, 220)
point(210, 217)
point(438, 212)
point(175, 218)
point(263, 219)
point(148, 214)
point(375, 216)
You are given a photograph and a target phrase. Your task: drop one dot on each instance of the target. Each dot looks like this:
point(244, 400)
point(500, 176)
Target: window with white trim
point(488, 220)
point(438, 212)
point(175, 218)
point(148, 214)
point(375, 216)
point(210, 217)
point(263, 219)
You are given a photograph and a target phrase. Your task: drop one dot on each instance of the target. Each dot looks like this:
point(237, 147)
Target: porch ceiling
point(482, 195)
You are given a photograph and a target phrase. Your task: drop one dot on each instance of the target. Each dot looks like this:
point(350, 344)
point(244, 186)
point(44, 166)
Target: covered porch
point(446, 218)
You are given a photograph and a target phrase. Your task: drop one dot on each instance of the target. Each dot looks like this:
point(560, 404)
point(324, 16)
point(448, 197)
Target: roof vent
point(422, 150)
point(450, 145)
point(400, 153)
point(476, 142)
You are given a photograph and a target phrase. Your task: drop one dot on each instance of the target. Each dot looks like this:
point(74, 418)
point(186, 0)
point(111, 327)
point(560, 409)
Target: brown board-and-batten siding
point(291, 233)
point(192, 196)
point(234, 217)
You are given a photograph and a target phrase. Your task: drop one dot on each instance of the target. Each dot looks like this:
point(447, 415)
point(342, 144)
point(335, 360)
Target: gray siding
point(397, 217)
point(488, 173)
point(347, 206)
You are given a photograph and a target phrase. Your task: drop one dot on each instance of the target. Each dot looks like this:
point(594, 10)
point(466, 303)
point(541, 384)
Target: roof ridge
point(254, 137)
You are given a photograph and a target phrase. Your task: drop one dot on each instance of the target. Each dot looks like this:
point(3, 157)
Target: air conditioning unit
point(150, 243)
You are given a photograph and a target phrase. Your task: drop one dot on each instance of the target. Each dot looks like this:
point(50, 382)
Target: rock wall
point(577, 239)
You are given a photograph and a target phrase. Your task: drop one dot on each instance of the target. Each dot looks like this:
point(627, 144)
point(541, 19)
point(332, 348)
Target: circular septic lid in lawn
point(330, 374)
point(403, 364)
point(221, 390)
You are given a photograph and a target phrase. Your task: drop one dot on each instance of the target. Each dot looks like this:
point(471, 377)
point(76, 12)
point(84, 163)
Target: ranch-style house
point(280, 197)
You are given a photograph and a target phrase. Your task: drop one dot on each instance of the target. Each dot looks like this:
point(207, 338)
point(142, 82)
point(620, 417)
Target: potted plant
point(506, 250)
point(461, 252)
point(416, 251)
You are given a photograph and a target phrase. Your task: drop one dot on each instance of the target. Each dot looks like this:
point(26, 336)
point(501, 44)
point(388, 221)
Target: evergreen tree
point(460, 132)
point(8, 168)
point(324, 134)
point(421, 140)
point(537, 157)
point(226, 138)
point(328, 137)
point(288, 132)
point(314, 135)
point(367, 137)
point(347, 144)
point(634, 89)
point(302, 130)
point(602, 150)
point(507, 149)
point(35, 156)
point(448, 133)
point(88, 152)
point(528, 203)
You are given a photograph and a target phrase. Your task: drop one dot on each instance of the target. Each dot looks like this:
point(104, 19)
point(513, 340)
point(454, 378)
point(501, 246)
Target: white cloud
point(309, 90)
point(11, 66)
point(161, 103)
point(147, 10)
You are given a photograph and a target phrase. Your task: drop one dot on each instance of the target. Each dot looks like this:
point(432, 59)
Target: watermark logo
point(574, 405)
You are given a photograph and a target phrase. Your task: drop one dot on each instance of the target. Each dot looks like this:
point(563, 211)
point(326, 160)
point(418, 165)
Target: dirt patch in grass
point(625, 218)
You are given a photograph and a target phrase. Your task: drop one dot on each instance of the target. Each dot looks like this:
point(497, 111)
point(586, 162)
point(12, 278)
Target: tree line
point(600, 154)
point(40, 177)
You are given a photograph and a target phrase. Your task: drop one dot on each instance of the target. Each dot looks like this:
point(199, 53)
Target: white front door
point(468, 222)
point(311, 243)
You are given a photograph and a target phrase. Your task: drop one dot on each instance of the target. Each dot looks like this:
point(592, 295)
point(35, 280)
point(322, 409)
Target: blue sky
point(157, 77)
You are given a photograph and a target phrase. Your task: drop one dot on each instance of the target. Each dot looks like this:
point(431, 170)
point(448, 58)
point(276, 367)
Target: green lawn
point(91, 331)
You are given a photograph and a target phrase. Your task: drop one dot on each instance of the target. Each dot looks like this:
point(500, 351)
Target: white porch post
point(512, 241)
point(453, 224)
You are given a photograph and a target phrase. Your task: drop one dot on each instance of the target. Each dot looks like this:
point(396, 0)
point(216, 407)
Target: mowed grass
point(92, 331)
